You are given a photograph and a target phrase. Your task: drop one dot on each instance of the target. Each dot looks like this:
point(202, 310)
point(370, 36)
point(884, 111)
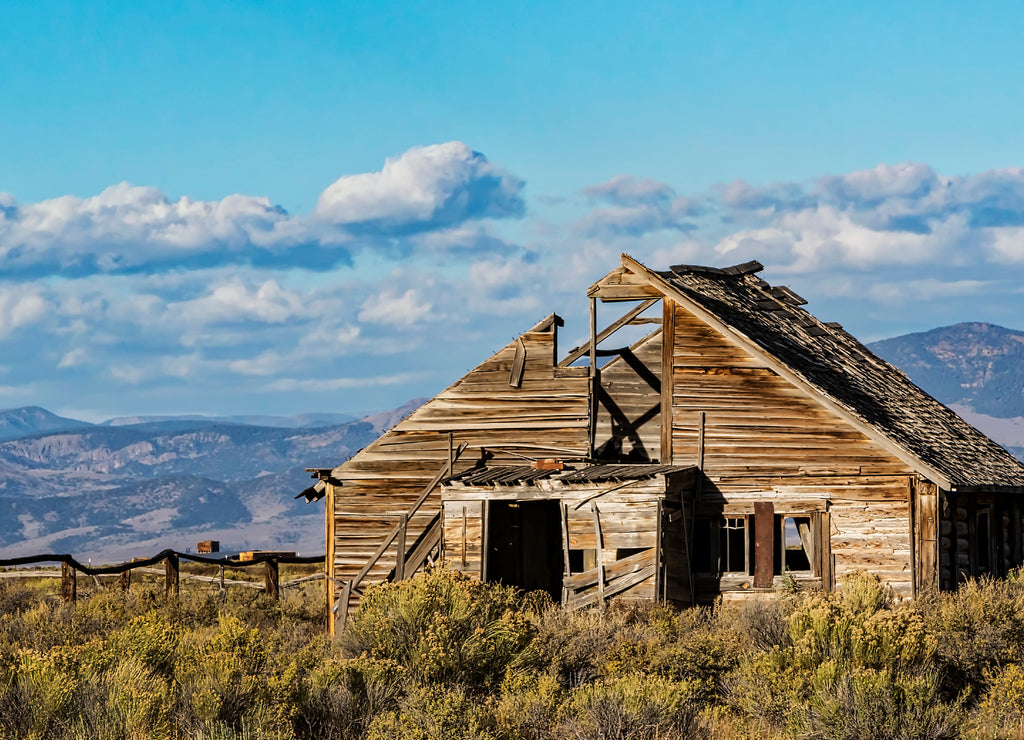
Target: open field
point(443, 657)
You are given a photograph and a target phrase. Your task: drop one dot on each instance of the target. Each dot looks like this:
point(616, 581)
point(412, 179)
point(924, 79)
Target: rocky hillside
point(114, 491)
point(976, 368)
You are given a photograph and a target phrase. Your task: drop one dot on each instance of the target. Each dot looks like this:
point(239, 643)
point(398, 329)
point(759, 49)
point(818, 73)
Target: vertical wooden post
point(465, 534)
point(701, 423)
point(764, 544)
point(124, 581)
point(271, 579)
point(68, 584)
point(599, 537)
point(171, 584)
point(403, 525)
point(659, 566)
point(594, 380)
point(668, 333)
point(222, 586)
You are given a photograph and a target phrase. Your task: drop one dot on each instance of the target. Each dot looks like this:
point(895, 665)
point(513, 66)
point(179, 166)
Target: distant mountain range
point(132, 486)
point(975, 368)
point(116, 490)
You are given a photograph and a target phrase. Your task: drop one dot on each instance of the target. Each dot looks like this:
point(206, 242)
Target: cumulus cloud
point(237, 301)
point(626, 190)
point(20, 306)
point(390, 307)
point(127, 229)
point(425, 188)
point(634, 207)
point(889, 214)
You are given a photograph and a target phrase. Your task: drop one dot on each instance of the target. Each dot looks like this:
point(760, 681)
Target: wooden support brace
point(272, 579)
point(341, 608)
point(400, 553)
point(600, 555)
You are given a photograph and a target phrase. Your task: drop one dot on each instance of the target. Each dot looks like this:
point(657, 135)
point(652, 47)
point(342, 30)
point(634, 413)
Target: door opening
point(524, 545)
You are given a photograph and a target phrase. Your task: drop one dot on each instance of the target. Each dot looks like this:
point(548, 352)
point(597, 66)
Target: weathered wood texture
point(756, 423)
point(614, 521)
point(765, 441)
point(546, 415)
point(464, 536)
point(629, 406)
point(873, 536)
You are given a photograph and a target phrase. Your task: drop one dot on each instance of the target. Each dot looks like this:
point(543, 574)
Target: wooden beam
point(577, 352)
point(784, 371)
point(600, 555)
point(515, 375)
point(403, 526)
point(668, 334)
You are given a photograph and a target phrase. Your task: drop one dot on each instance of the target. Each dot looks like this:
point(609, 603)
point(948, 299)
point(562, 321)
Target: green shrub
point(442, 626)
point(881, 704)
point(634, 707)
point(979, 628)
point(434, 712)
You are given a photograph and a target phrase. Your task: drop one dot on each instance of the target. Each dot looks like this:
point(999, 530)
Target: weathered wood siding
point(629, 412)
point(464, 536)
point(548, 408)
point(762, 439)
point(755, 421)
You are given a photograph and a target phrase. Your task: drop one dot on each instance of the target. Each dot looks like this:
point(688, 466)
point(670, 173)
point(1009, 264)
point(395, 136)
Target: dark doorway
point(524, 545)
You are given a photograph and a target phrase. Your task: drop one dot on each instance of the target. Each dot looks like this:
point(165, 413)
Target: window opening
point(795, 546)
point(734, 545)
point(983, 534)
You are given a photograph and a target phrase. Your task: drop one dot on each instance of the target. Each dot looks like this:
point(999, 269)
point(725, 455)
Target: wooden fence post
point(124, 581)
point(171, 584)
point(68, 584)
point(271, 579)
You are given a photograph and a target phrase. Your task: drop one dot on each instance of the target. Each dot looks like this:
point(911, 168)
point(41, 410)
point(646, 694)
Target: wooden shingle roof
point(840, 372)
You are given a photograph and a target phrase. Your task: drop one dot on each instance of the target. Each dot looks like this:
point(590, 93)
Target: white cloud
point(390, 307)
point(336, 384)
point(234, 300)
point(128, 229)
point(73, 358)
point(626, 190)
point(436, 185)
point(20, 306)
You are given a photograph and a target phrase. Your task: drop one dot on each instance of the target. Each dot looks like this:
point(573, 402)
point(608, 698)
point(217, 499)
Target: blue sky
point(196, 214)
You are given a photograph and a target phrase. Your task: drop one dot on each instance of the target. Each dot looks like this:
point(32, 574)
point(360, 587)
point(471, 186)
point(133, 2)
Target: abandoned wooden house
point(739, 441)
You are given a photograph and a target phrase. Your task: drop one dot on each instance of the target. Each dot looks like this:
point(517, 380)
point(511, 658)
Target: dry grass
point(442, 657)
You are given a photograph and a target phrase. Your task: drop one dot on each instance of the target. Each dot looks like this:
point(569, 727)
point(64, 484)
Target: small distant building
point(738, 441)
point(208, 546)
